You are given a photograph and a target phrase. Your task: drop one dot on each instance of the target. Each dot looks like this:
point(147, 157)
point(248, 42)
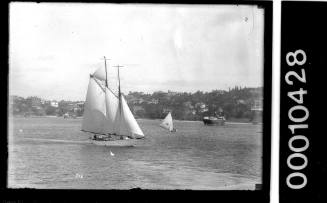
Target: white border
point(275, 119)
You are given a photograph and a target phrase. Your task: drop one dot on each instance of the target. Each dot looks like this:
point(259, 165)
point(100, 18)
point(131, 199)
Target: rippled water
point(54, 153)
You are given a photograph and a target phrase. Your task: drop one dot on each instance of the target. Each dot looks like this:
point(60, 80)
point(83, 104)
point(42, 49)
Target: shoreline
point(232, 121)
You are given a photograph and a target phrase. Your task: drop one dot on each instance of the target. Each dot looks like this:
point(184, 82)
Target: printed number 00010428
point(292, 59)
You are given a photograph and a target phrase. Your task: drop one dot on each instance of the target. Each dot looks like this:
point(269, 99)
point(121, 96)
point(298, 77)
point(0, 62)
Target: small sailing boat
point(107, 115)
point(167, 123)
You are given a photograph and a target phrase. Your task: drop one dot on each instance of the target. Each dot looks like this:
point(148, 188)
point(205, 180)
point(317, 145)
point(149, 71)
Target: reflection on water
point(54, 153)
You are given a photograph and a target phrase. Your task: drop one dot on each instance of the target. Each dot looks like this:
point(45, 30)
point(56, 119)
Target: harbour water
point(52, 153)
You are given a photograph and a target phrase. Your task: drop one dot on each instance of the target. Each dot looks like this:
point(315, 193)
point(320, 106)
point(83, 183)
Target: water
point(53, 153)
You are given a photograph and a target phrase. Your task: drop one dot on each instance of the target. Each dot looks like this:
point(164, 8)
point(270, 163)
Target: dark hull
point(213, 122)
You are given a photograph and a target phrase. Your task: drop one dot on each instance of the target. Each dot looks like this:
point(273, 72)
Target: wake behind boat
point(107, 115)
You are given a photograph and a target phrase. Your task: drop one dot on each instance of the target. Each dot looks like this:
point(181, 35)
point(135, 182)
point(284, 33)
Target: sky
point(54, 47)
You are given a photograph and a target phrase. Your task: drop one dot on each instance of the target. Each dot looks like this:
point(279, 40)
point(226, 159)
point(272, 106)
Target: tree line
point(236, 103)
point(39, 107)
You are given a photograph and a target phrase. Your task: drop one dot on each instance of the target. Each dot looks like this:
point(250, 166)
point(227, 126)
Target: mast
point(105, 65)
point(119, 94)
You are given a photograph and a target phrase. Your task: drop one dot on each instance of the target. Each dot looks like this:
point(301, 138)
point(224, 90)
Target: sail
point(112, 104)
point(100, 74)
point(125, 122)
point(94, 118)
point(167, 123)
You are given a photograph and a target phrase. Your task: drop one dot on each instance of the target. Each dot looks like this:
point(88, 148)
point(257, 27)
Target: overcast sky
point(55, 46)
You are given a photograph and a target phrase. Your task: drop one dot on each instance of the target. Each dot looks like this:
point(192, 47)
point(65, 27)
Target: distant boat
point(167, 123)
point(211, 120)
point(107, 115)
point(218, 119)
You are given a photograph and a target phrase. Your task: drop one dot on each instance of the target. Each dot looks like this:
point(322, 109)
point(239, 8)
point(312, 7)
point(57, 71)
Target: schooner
point(107, 115)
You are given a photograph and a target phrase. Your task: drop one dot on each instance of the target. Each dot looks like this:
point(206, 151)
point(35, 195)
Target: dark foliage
point(235, 103)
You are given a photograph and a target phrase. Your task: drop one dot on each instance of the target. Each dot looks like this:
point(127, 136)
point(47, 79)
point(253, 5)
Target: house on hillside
point(153, 101)
point(201, 107)
point(54, 103)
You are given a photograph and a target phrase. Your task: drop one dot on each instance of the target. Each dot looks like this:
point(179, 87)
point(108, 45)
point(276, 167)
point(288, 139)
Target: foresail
point(94, 118)
point(128, 124)
point(167, 123)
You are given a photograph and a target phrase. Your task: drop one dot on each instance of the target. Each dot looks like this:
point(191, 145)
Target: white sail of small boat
point(107, 115)
point(167, 123)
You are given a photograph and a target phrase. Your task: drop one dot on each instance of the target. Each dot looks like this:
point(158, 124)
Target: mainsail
point(167, 123)
point(100, 74)
point(105, 113)
point(94, 118)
